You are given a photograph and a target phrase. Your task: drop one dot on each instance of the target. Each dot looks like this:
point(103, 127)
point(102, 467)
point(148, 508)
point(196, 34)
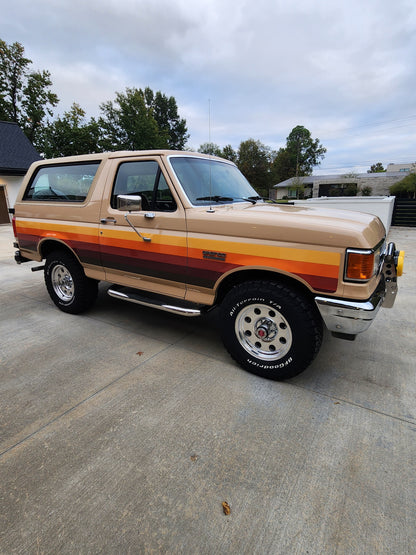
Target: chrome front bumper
point(347, 317)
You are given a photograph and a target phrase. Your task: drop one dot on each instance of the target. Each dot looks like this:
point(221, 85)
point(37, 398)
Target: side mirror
point(129, 203)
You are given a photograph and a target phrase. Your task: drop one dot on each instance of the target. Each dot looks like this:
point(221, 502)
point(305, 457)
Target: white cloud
point(267, 65)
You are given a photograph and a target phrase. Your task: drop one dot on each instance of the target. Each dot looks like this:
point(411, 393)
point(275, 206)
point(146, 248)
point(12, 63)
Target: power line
point(339, 133)
point(376, 124)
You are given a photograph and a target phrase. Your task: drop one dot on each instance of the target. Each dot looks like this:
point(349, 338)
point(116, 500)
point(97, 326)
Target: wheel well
point(49, 246)
point(249, 275)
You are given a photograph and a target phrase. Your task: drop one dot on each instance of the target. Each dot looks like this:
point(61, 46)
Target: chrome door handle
point(150, 215)
point(108, 220)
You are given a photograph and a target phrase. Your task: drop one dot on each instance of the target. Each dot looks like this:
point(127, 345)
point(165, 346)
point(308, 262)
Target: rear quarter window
point(62, 183)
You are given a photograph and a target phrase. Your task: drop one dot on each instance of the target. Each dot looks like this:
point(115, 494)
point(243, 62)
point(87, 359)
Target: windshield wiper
point(256, 198)
point(216, 198)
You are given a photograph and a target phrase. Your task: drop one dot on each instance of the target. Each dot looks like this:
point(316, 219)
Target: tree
point(140, 119)
point(165, 112)
point(127, 124)
point(70, 135)
point(229, 153)
point(282, 167)
point(406, 188)
point(210, 148)
point(299, 186)
point(215, 150)
point(254, 162)
point(13, 68)
point(299, 157)
point(36, 103)
point(376, 168)
point(25, 97)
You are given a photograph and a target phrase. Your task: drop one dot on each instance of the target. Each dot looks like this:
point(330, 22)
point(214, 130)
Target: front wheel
point(68, 286)
point(270, 329)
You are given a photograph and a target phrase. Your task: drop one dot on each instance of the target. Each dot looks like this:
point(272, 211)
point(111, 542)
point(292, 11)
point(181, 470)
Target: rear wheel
point(270, 329)
point(68, 286)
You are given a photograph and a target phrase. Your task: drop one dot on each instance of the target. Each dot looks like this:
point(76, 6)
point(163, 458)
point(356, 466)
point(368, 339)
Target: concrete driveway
point(125, 429)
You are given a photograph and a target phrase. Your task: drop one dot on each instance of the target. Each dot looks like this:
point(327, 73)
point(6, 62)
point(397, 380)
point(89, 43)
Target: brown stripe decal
point(167, 256)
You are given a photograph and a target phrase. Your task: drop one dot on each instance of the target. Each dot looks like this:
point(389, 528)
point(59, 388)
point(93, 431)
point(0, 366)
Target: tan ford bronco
point(185, 232)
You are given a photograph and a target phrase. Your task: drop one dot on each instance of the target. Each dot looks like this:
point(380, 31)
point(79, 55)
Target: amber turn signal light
point(360, 266)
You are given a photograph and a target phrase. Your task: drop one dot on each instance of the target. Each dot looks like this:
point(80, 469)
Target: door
point(144, 249)
point(4, 212)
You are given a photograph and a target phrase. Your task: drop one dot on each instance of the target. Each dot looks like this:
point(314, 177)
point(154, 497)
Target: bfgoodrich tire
point(67, 284)
point(270, 329)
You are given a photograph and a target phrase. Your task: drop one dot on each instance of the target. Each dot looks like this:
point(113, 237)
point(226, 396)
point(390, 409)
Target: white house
point(341, 185)
point(16, 155)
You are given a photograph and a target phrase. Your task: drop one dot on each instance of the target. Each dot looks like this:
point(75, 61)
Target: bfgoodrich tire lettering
point(270, 329)
point(67, 284)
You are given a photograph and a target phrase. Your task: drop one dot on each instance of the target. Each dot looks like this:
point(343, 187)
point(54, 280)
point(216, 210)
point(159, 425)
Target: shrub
point(406, 188)
point(366, 191)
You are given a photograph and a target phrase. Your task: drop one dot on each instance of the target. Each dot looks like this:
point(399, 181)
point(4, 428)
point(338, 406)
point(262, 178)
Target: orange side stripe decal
point(291, 266)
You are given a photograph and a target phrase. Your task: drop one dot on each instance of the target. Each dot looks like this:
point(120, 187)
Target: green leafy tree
point(70, 135)
point(215, 150)
point(127, 124)
point(406, 188)
point(229, 153)
point(299, 186)
point(376, 168)
point(282, 167)
point(254, 162)
point(299, 157)
point(139, 119)
point(13, 69)
point(37, 104)
point(165, 111)
point(25, 97)
point(210, 148)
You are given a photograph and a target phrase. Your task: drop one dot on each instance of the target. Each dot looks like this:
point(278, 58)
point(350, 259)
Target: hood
point(288, 223)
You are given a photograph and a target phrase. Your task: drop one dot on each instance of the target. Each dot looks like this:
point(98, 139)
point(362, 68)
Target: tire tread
point(311, 322)
point(86, 289)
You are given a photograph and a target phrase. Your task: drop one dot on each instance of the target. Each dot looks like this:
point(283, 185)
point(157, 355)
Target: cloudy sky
point(346, 70)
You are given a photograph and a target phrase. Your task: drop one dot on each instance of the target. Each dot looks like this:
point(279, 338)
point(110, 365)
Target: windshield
point(205, 181)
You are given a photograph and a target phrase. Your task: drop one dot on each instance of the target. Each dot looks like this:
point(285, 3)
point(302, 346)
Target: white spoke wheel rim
point(263, 332)
point(62, 283)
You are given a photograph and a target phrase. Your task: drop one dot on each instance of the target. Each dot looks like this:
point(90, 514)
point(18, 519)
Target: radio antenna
point(209, 121)
point(211, 209)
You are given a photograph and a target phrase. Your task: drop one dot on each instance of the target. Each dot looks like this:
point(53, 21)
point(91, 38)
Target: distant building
point(409, 167)
point(341, 185)
point(16, 155)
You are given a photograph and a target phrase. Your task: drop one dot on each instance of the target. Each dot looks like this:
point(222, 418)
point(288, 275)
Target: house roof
point(337, 178)
point(16, 151)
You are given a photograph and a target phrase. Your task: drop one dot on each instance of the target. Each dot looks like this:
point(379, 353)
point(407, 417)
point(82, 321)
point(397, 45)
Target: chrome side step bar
point(183, 308)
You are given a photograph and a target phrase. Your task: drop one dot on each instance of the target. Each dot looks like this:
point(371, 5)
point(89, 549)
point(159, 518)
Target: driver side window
point(144, 178)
